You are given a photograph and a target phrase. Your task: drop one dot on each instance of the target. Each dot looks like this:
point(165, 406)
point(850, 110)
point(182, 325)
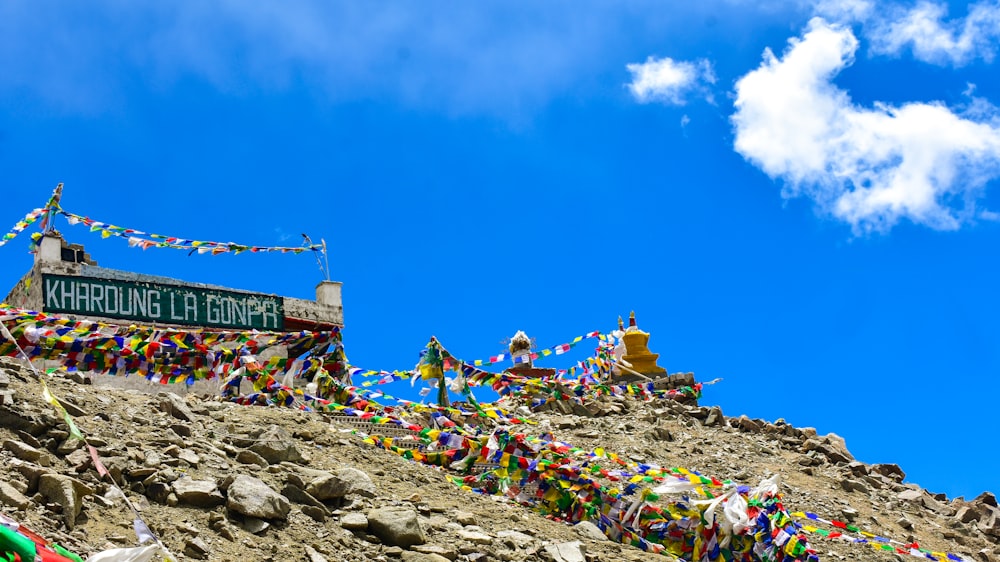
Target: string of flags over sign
point(22, 224)
point(138, 238)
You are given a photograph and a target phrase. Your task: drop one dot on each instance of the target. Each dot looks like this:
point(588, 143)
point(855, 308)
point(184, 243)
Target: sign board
point(162, 304)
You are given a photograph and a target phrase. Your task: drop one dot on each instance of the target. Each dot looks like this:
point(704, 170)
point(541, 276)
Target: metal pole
point(326, 258)
point(637, 373)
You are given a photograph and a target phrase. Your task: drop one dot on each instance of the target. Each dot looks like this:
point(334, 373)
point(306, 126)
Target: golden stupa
point(636, 351)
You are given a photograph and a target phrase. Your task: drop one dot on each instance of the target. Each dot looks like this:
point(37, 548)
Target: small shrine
point(637, 352)
point(523, 358)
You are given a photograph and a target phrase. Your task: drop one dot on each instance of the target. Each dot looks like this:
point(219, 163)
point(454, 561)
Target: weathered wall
point(27, 293)
point(29, 296)
point(314, 311)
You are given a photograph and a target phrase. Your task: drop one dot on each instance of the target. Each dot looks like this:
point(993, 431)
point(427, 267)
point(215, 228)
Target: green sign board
point(162, 304)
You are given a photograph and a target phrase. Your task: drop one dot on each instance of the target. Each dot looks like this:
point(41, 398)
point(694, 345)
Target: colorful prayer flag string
point(161, 355)
point(140, 239)
point(875, 541)
point(21, 225)
point(554, 350)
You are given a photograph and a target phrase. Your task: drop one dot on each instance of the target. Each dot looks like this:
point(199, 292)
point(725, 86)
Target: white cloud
point(494, 57)
point(932, 39)
point(844, 10)
point(669, 81)
point(869, 167)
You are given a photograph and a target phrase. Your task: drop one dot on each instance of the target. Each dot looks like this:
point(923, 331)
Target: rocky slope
point(219, 481)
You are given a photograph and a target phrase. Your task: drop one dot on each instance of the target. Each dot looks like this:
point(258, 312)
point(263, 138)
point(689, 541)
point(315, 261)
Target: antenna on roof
point(326, 258)
point(319, 261)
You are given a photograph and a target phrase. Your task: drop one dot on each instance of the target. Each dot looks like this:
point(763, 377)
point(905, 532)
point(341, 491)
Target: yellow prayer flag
point(74, 432)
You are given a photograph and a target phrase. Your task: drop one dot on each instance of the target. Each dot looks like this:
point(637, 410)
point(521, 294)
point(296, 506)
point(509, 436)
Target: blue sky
point(801, 199)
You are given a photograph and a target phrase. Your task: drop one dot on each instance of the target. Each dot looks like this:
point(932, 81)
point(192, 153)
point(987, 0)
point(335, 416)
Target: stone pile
point(217, 481)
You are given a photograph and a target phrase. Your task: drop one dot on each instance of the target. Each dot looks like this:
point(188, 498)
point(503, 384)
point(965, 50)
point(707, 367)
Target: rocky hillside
point(219, 481)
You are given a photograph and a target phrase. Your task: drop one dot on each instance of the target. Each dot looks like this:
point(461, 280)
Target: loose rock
point(344, 482)
point(354, 522)
point(253, 498)
point(567, 552)
point(175, 406)
point(67, 492)
point(276, 445)
point(396, 526)
point(199, 493)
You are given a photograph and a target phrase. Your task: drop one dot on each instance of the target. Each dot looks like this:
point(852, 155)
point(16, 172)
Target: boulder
point(857, 468)
point(588, 530)
point(33, 425)
point(990, 523)
point(182, 430)
point(838, 444)
point(986, 498)
point(851, 485)
point(831, 446)
point(152, 459)
point(891, 471)
point(436, 553)
point(313, 555)
point(189, 456)
point(465, 518)
point(397, 526)
point(300, 496)
point(354, 522)
point(196, 548)
point(65, 491)
point(9, 495)
point(744, 423)
point(474, 536)
point(661, 433)
point(26, 452)
point(253, 498)
point(175, 406)
point(72, 408)
point(68, 446)
point(199, 493)
point(317, 514)
point(160, 492)
point(567, 552)
point(516, 539)
point(254, 525)
point(967, 514)
point(275, 445)
point(344, 482)
point(246, 456)
point(714, 418)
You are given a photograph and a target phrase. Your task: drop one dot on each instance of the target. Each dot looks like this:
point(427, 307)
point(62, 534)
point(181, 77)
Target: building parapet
point(64, 279)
